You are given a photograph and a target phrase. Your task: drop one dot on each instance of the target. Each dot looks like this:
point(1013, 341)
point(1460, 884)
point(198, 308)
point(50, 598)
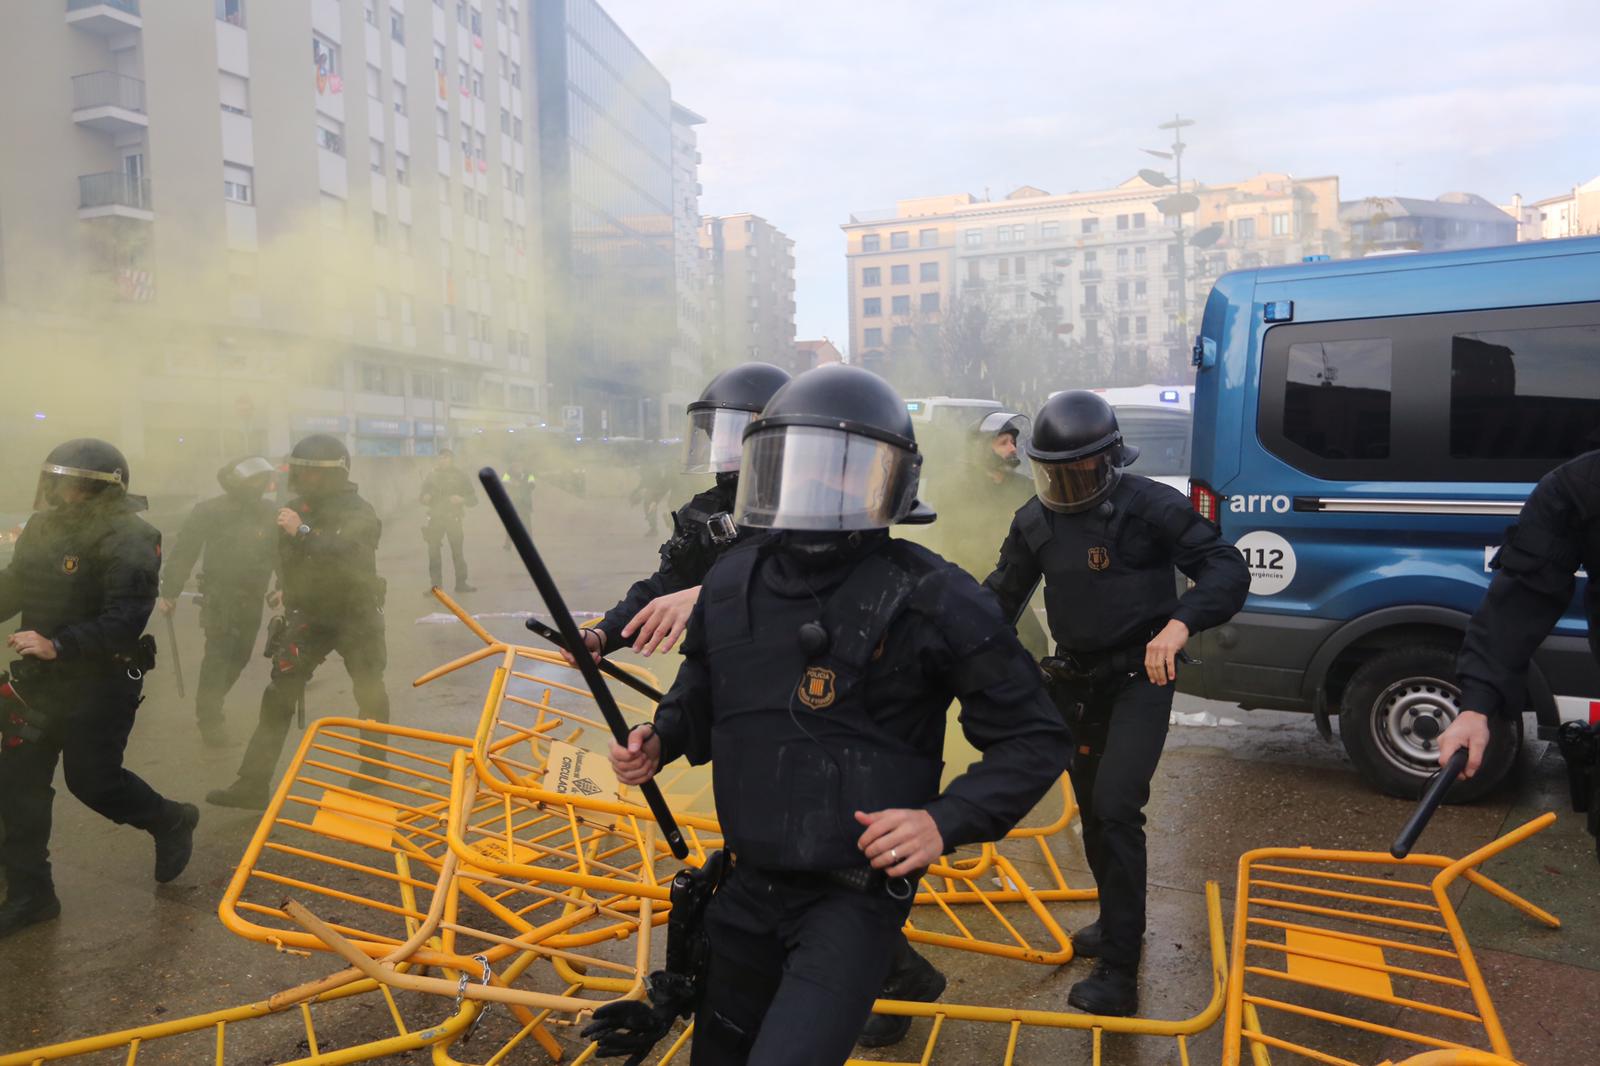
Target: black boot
point(240, 794)
point(175, 843)
point(1088, 942)
point(1111, 989)
point(913, 978)
point(23, 908)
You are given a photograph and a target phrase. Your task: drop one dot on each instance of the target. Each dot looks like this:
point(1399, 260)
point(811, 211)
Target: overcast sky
point(824, 107)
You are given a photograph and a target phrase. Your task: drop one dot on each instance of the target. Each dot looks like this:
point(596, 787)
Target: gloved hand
point(632, 1027)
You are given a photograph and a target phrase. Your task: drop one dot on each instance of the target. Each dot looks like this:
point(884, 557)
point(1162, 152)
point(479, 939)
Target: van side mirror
point(1204, 355)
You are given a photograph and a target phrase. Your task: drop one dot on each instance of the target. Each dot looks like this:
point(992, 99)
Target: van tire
point(1389, 708)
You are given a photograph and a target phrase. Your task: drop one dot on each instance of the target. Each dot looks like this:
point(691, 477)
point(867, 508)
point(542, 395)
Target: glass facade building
point(606, 154)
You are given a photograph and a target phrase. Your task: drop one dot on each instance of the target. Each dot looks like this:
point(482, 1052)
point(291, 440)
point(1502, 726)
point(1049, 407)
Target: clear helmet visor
point(715, 440)
point(809, 477)
point(1072, 485)
point(62, 485)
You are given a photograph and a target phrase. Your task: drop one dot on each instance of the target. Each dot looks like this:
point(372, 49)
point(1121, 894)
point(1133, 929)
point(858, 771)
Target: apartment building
point(1125, 268)
point(1573, 213)
point(238, 221)
point(750, 290)
point(1407, 224)
point(688, 374)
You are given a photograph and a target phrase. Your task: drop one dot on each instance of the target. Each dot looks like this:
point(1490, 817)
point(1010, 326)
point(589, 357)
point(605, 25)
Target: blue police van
point(1364, 432)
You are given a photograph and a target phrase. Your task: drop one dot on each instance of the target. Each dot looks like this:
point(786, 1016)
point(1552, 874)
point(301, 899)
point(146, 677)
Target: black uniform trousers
point(1120, 726)
point(231, 620)
point(359, 639)
point(794, 970)
point(434, 533)
point(89, 722)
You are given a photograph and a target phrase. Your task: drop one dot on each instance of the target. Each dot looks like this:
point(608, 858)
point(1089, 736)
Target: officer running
point(1557, 532)
point(1106, 543)
point(446, 494)
point(818, 669)
point(333, 602)
point(84, 578)
point(656, 609)
point(236, 535)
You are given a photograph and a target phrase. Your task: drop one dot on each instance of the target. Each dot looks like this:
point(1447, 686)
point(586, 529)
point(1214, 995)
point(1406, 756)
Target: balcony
point(114, 194)
point(1089, 274)
point(108, 18)
point(109, 102)
point(1092, 309)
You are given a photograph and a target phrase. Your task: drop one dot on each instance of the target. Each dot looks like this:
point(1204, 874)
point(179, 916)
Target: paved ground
point(126, 951)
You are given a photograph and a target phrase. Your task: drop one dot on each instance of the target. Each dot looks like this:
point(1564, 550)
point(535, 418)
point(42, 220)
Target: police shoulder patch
point(816, 688)
point(1099, 558)
point(69, 564)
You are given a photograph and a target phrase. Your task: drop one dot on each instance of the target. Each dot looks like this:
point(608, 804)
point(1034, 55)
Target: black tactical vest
point(1108, 576)
point(794, 750)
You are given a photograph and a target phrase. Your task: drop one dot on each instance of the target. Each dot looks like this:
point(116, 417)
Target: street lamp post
point(1176, 126)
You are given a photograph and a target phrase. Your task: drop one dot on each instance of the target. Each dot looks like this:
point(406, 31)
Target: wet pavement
point(126, 951)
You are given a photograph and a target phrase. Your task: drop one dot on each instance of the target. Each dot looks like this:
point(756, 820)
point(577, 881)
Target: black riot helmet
point(319, 465)
point(247, 478)
point(832, 451)
point(80, 469)
point(717, 420)
point(1077, 451)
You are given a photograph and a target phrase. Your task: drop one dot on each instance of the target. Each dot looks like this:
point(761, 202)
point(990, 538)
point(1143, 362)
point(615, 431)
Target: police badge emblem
point(69, 564)
point(1099, 558)
point(816, 688)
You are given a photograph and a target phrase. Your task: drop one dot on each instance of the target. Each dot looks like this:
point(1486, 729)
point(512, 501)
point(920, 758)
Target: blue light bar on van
point(1279, 311)
point(1169, 395)
point(1315, 258)
point(913, 406)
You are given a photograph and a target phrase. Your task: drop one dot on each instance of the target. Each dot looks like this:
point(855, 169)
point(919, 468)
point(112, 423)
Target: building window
point(1091, 331)
point(1141, 325)
point(1122, 259)
point(1091, 225)
point(928, 238)
point(402, 169)
point(1003, 234)
point(1138, 220)
point(1138, 258)
point(234, 92)
point(397, 27)
point(1244, 228)
point(928, 272)
point(376, 148)
point(439, 60)
point(231, 11)
point(974, 272)
point(375, 91)
point(1122, 325)
point(330, 134)
point(872, 338)
point(370, 12)
point(381, 303)
point(1021, 268)
point(1280, 225)
point(1140, 290)
point(477, 85)
point(404, 232)
point(1091, 296)
point(930, 303)
point(871, 242)
point(399, 97)
point(900, 335)
point(901, 305)
point(325, 57)
point(872, 307)
point(380, 228)
point(505, 121)
point(974, 238)
point(900, 240)
point(516, 75)
point(900, 275)
point(871, 276)
point(1004, 264)
point(237, 183)
point(1049, 231)
point(441, 123)
point(1122, 221)
point(1019, 301)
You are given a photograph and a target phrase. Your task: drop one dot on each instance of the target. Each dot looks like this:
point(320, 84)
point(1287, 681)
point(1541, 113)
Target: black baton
point(611, 670)
point(1429, 803)
point(573, 639)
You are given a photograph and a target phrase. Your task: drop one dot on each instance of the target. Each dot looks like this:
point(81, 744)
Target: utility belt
point(863, 880)
point(1580, 747)
point(1093, 667)
point(135, 662)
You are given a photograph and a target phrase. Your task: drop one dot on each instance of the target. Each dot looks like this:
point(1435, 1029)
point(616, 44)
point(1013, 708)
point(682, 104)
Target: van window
point(1336, 398)
point(1162, 438)
point(1525, 393)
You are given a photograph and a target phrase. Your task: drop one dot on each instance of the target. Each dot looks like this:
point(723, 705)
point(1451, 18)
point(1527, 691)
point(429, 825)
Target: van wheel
point(1392, 713)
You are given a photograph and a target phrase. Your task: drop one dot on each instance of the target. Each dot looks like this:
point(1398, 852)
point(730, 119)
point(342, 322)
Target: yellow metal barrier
point(1322, 936)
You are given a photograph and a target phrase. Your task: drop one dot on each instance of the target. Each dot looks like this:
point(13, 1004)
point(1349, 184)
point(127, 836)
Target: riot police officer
point(1106, 542)
point(333, 602)
point(818, 669)
point(446, 494)
point(236, 535)
point(84, 577)
point(656, 608)
point(1557, 532)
